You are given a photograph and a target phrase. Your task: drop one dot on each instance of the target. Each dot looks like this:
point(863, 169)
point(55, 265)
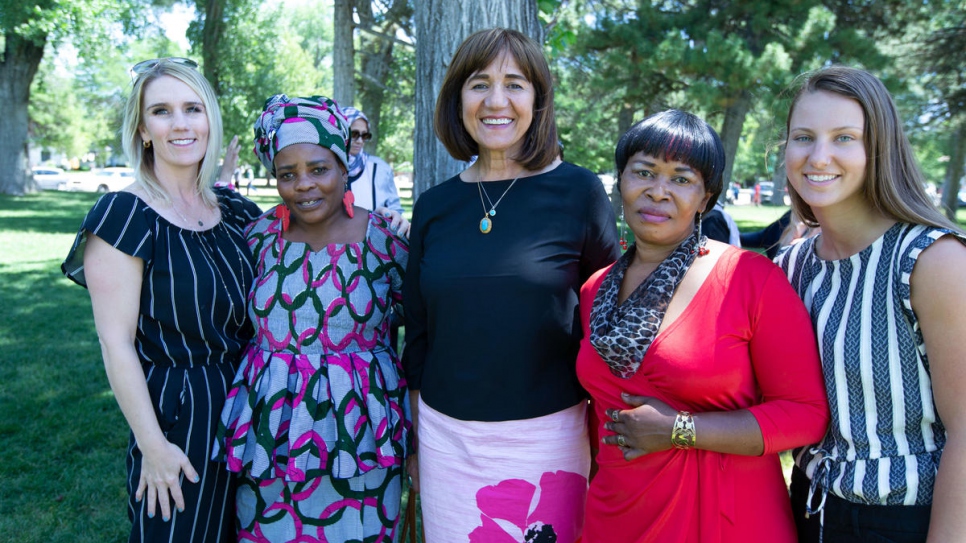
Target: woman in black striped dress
point(168, 271)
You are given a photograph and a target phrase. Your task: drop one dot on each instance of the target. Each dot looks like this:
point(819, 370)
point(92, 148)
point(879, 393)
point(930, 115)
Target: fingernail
point(167, 518)
point(150, 514)
point(195, 479)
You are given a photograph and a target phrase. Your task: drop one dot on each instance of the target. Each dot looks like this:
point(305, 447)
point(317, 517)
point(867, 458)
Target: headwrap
point(357, 163)
point(288, 121)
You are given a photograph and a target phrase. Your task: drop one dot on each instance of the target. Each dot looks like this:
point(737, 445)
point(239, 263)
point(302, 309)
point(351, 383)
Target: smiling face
point(661, 199)
point(311, 182)
point(825, 156)
point(174, 120)
point(497, 106)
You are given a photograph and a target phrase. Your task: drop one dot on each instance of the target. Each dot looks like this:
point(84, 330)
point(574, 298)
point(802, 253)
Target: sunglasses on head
point(147, 65)
point(355, 134)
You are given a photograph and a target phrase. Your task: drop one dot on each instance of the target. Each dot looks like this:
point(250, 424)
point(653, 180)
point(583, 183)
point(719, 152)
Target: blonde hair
point(142, 160)
point(894, 184)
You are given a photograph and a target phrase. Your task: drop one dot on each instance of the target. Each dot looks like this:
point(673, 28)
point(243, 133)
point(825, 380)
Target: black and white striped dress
point(885, 440)
point(191, 330)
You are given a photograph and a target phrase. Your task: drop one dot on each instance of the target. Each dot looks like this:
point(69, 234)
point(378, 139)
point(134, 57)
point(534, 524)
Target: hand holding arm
point(114, 282)
point(647, 425)
point(396, 221)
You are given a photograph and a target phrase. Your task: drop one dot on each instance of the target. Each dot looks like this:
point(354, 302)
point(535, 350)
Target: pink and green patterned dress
point(317, 417)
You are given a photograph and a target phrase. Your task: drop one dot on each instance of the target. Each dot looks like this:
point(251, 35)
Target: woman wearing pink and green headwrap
point(317, 417)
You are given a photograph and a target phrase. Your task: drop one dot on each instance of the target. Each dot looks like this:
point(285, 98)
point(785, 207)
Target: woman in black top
point(497, 256)
point(168, 272)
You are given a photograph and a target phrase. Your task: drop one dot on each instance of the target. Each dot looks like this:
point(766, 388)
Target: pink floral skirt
point(519, 480)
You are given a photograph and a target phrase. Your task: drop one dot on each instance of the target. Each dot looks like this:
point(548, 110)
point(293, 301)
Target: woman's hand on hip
point(642, 429)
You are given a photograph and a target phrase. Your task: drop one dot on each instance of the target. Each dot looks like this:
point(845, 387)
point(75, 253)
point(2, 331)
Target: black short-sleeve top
point(195, 283)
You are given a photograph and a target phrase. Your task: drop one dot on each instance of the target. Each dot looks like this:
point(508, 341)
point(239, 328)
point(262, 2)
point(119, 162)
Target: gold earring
point(147, 144)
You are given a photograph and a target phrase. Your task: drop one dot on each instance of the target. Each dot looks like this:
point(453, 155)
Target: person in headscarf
point(370, 177)
point(317, 417)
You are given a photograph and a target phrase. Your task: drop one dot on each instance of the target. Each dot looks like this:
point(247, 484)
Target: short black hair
point(675, 135)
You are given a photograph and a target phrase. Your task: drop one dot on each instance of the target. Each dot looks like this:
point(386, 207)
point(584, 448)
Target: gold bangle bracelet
point(682, 435)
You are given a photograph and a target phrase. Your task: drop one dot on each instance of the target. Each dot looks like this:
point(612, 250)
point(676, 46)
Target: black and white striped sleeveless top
point(885, 439)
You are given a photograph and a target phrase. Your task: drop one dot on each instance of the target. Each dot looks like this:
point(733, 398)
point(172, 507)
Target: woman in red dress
point(699, 358)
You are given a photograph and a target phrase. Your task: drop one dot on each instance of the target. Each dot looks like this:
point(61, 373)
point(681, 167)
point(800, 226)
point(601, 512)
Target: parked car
point(50, 178)
point(767, 189)
point(105, 180)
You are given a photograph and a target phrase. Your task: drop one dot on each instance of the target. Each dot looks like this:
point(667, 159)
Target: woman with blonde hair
point(168, 270)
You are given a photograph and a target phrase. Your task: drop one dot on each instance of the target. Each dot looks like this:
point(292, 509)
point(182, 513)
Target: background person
point(699, 359)
point(498, 253)
point(168, 270)
point(719, 225)
point(316, 421)
point(370, 177)
point(883, 282)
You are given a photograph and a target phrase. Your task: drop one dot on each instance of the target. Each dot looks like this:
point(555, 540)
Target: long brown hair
point(894, 185)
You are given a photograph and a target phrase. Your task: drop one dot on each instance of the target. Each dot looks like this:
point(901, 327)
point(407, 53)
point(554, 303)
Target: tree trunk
point(954, 171)
point(441, 25)
point(211, 35)
point(375, 70)
point(21, 59)
point(780, 180)
point(735, 113)
point(343, 54)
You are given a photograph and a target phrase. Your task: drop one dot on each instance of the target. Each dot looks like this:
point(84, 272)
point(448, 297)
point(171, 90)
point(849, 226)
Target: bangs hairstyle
point(142, 160)
point(678, 136)
point(894, 185)
point(476, 53)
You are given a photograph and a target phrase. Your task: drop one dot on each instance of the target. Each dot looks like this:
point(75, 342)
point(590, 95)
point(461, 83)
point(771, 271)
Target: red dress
point(744, 341)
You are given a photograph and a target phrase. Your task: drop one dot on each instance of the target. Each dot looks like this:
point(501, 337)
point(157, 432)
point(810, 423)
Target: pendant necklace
point(486, 223)
point(185, 219)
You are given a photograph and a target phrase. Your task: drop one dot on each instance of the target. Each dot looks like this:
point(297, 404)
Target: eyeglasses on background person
point(355, 134)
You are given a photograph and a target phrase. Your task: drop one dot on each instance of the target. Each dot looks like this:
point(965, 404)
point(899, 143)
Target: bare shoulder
point(946, 255)
point(938, 276)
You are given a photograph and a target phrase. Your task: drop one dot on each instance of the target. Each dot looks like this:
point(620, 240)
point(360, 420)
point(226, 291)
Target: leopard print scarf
point(622, 333)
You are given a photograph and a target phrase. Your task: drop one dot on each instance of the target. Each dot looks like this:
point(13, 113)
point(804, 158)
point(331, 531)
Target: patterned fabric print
point(885, 440)
point(622, 333)
point(320, 392)
point(364, 508)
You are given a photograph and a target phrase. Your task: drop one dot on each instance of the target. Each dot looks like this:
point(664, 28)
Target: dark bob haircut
point(540, 146)
point(675, 135)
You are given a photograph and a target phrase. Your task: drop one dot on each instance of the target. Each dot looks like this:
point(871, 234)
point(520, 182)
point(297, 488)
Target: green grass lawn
point(61, 433)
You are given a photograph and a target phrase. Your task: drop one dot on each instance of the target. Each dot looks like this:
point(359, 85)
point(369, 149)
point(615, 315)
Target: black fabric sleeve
point(768, 237)
point(714, 225)
point(118, 218)
point(414, 306)
point(242, 211)
point(601, 245)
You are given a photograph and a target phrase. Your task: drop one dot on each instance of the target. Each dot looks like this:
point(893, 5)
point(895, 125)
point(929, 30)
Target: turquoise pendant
point(493, 212)
point(486, 225)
